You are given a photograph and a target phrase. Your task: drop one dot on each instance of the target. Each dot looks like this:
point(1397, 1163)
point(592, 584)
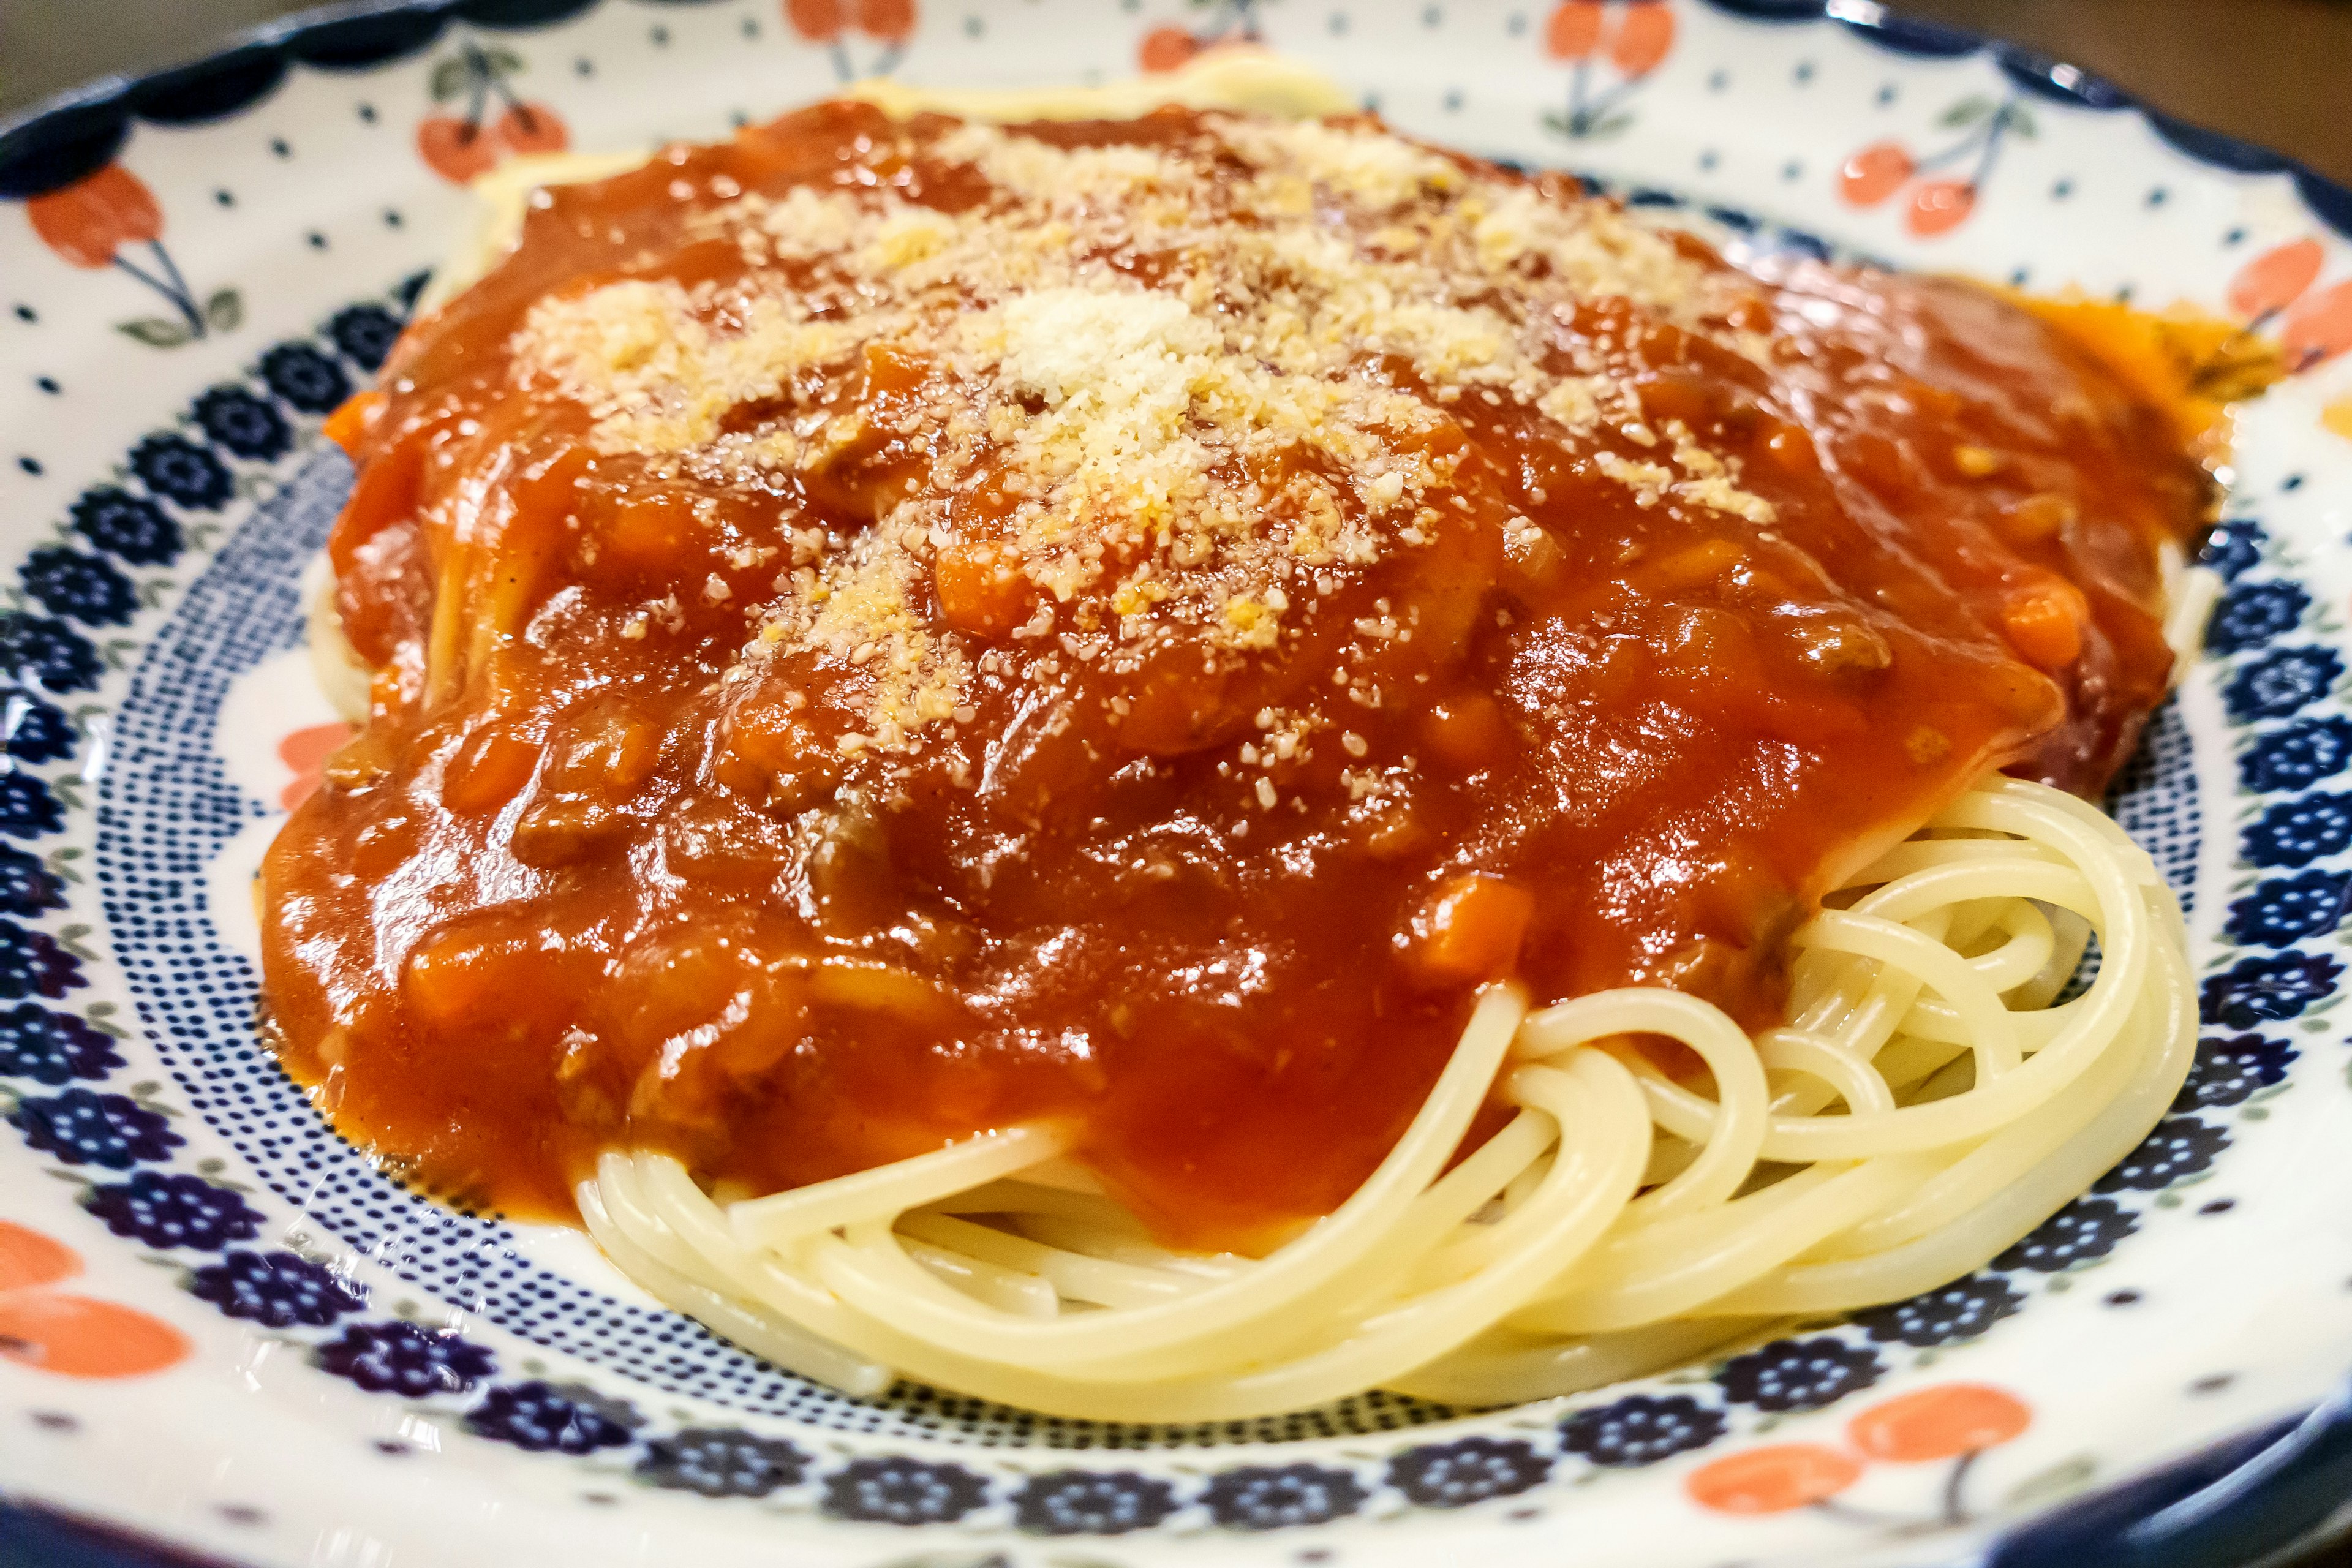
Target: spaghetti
point(1620, 1221)
point(1167, 765)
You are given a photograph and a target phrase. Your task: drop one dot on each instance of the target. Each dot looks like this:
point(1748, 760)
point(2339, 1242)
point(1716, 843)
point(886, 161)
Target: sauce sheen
point(883, 630)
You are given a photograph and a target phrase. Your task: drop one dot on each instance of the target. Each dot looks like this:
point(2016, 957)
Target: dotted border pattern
point(159, 937)
point(567, 1418)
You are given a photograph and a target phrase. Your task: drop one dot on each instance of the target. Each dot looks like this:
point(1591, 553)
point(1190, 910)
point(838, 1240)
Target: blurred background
point(2275, 71)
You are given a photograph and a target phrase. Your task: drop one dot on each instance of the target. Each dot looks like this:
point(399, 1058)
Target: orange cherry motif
point(455, 149)
point(1644, 36)
point(76, 1336)
point(892, 21)
point(28, 1258)
point(1939, 1422)
point(2276, 279)
point(532, 128)
point(2318, 328)
point(1876, 172)
point(73, 1336)
point(1574, 31)
point(818, 21)
point(1939, 206)
point(1773, 1479)
point(1166, 48)
point(90, 219)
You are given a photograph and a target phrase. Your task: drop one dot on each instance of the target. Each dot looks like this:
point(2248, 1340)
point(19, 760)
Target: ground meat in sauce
point(884, 630)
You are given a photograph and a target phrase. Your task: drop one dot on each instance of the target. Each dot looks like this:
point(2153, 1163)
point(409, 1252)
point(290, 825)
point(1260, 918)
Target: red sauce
point(590, 876)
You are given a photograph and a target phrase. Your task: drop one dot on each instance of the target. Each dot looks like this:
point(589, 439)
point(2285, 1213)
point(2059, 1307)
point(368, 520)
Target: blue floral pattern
point(47, 654)
point(2285, 910)
point(1960, 1310)
point(130, 528)
point(1798, 1374)
point(2234, 546)
point(305, 378)
point(52, 1048)
point(240, 423)
point(2264, 990)
point(540, 1416)
point(403, 1359)
point(27, 810)
point(2233, 1070)
point(84, 587)
point(172, 466)
point(365, 333)
point(2298, 756)
point(31, 961)
point(2083, 1232)
point(1091, 1503)
point(277, 1289)
point(174, 1210)
point(2297, 832)
point(28, 886)
point(2252, 614)
point(898, 1490)
point(2180, 1146)
point(82, 1127)
point(1468, 1470)
point(1281, 1496)
point(1642, 1429)
point(722, 1462)
point(37, 732)
point(2280, 684)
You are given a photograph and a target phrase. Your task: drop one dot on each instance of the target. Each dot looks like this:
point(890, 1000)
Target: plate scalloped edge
point(2223, 1504)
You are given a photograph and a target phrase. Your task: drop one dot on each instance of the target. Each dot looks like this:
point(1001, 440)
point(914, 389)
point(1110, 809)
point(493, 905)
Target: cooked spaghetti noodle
point(1618, 1222)
point(1167, 768)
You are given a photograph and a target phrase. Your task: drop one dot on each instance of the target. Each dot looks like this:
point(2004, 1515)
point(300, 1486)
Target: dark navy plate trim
point(73, 136)
point(2227, 1504)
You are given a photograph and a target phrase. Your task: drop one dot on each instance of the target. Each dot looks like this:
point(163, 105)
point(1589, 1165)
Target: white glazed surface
point(2201, 1323)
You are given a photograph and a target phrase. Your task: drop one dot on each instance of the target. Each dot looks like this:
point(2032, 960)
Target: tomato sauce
point(625, 857)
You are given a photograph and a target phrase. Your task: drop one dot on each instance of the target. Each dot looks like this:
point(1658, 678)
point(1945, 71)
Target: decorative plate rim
point(2236, 1499)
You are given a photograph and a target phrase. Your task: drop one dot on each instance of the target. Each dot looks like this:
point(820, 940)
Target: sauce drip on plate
point(886, 629)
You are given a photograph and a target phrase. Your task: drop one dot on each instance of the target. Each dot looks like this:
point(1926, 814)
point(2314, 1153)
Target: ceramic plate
point(223, 1330)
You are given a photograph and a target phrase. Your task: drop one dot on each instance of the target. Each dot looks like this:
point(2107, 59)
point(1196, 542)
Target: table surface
point(2277, 72)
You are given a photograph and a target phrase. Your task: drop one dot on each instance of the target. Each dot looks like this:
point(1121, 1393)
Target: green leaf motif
point(502, 62)
point(1967, 112)
point(224, 310)
point(156, 332)
point(2018, 120)
point(2042, 1487)
point(449, 79)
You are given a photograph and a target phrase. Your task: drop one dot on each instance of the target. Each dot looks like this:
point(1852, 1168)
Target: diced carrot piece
point(1791, 448)
point(2044, 623)
point(1468, 730)
point(2035, 518)
point(980, 590)
point(546, 492)
point(647, 535)
point(487, 772)
point(1696, 564)
point(350, 419)
point(386, 494)
point(1469, 931)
